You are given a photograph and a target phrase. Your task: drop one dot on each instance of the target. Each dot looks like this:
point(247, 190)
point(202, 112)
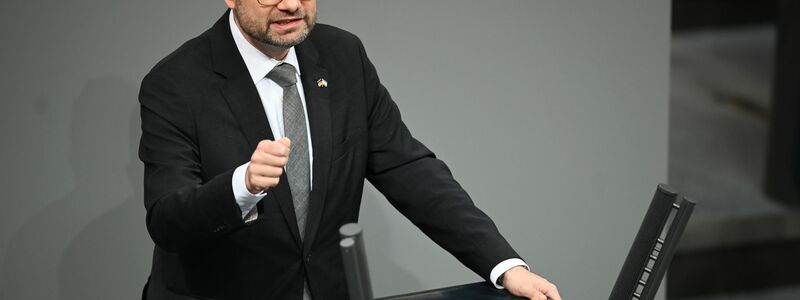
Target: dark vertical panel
point(783, 154)
point(698, 14)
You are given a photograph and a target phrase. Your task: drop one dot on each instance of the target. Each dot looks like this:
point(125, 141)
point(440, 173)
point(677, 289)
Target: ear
point(230, 3)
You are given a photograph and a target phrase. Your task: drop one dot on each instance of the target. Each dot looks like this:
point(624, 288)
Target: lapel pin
point(322, 83)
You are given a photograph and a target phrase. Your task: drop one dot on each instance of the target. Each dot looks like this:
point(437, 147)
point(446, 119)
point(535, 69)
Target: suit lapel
point(244, 102)
point(319, 117)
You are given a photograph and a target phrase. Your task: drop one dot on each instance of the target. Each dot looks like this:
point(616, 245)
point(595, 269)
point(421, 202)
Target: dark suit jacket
point(202, 117)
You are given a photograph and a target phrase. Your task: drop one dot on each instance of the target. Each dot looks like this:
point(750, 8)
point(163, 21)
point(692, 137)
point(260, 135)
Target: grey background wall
point(552, 114)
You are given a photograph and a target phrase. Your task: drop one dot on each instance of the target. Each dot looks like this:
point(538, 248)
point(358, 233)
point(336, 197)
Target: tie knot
point(283, 75)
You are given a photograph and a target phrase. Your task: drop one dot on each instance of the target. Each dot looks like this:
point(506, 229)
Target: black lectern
point(477, 290)
point(641, 274)
point(359, 285)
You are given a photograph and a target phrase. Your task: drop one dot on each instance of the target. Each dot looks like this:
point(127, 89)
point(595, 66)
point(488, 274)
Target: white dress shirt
point(259, 65)
point(271, 94)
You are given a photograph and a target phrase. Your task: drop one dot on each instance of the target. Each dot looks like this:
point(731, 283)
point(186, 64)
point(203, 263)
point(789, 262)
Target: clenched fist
point(266, 165)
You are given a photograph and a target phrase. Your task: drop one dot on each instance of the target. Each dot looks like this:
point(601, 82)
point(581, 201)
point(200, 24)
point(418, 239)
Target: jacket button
point(219, 228)
point(308, 257)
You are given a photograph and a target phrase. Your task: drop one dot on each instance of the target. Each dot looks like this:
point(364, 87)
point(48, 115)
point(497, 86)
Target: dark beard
point(264, 37)
point(251, 28)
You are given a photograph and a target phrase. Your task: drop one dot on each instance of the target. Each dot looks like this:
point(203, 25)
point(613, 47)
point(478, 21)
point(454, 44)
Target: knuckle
point(525, 290)
point(276, 151)
point(258, 158)
point(274, 172)
point(266, 147)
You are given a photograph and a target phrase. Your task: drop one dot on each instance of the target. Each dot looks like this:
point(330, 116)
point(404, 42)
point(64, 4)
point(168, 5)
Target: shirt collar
point(258, 63)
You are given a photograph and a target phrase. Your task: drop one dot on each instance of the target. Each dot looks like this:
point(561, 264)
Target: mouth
point(286, 23)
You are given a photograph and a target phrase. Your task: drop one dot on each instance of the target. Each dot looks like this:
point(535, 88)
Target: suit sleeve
point(184, 209)
point(422, 188)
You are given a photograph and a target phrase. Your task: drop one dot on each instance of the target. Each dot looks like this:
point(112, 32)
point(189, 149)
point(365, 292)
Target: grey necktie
point(294, 127)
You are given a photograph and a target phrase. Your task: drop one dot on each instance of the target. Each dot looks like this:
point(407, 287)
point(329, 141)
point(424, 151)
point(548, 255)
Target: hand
point(521, 282)
point(266, 165)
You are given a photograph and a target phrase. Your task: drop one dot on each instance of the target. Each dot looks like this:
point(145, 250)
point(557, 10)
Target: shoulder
point(184, 71)
point(193, 55)
point(335, 49)
point(328, 33)
point(333, 40)
point(177, 81)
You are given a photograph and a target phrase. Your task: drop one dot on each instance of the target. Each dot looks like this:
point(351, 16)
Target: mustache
point(299, 15)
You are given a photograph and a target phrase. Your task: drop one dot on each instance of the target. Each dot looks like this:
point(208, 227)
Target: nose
point(289, 5)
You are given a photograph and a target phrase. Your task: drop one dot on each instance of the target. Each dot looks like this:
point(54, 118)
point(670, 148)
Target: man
point(257, 137)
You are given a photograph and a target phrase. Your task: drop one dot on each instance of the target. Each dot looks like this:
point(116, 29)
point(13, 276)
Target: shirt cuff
point(244, 198)
point(504, 266)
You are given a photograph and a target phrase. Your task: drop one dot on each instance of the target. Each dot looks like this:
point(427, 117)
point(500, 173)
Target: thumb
point(286, 142)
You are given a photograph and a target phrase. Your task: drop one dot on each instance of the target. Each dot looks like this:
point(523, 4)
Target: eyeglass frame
point(272, 4)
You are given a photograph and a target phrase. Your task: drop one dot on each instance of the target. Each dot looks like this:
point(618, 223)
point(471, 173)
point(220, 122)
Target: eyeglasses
point(268, 2)
point(271, 2)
